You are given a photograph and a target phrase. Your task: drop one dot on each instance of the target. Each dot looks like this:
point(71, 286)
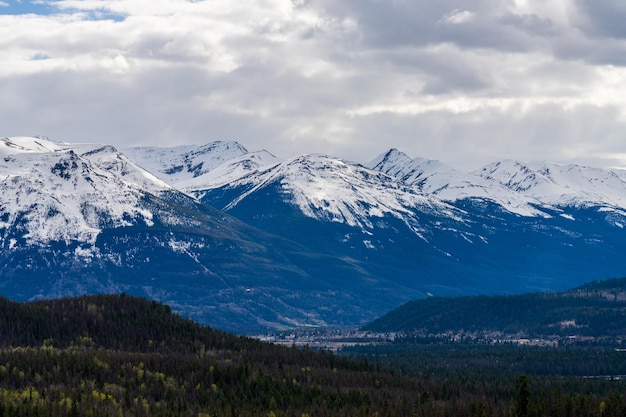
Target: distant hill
point(120, 355)
point(117, 322)
point(117, 355)
point(597, 309)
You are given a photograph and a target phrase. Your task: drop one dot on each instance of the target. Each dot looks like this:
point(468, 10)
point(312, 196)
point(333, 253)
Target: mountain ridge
point(433, 177)
point(249, 242)
point(493, 217)
point(196, 258)
point(450, 184)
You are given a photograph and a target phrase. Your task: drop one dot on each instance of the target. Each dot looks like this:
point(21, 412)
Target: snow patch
point(86, 254)
point(368, 244)
point(179, 246)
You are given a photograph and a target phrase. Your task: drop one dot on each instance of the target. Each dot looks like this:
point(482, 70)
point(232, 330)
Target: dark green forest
point(117, 355)
point(595, 310)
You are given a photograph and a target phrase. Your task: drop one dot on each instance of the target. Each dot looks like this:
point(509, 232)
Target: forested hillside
point(125, 356)
point(120, 355)
point(594, 310)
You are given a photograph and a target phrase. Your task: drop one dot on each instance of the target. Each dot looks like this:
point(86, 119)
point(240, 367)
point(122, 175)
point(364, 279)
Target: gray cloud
point(475, 138)
point(467, 83)
point(532, 24)
point(603, 18)
point(479, 24)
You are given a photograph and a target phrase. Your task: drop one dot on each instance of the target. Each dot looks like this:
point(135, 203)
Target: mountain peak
point(222, 146)
point(25, 144)
point(449, 184)
point(400, 165)
point(393, 157)
point(561, 185)
point(60, 196)
point(194, 168)
point(339, 191)
point(185, 162)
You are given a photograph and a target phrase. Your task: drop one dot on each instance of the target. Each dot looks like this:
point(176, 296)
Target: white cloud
point(457, 16)
point(348, 78)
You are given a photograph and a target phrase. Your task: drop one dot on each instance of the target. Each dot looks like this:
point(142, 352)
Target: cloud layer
point(464, 82)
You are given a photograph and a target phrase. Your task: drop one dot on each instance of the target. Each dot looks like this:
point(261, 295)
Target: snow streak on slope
point(230, 171)
point(450, 184)
point(335, 190)
point(50, 192)
point(560, 185)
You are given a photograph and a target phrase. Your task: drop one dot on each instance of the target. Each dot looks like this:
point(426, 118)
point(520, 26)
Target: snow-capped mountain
point(114, 161)
point(182, 163)
point(191, 168)
point(228, 172)
point(82, 218)
point(561, 185)
point(420, 221)
point(331, 189)
point(311, 240)
point(451, 185)
point(51, 192)
point(321, 186)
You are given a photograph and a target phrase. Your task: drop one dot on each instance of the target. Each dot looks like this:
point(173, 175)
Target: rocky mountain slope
point(428, 226)
point(84, 219)
point(431, 227)
point(312, 240)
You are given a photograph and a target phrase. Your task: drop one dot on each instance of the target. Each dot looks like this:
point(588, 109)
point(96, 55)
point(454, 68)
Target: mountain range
point(249, 242)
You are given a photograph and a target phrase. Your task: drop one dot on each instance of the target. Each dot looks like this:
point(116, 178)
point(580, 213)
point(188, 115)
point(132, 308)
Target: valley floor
point(335, 339)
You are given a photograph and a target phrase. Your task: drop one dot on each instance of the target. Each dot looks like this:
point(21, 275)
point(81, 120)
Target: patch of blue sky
point(101, 14)
point(41, 7)
point(25, 7)
point(40, 56)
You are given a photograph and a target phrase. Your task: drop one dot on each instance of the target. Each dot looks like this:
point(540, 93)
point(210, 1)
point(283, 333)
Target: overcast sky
point(466, 82)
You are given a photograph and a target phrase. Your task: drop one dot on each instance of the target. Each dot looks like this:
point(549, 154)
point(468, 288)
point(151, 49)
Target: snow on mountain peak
point(56, 190)
point(229, 171)
point(109, 158)
point(182, 163)
point(63, 192)
point(561, 185)
point(193, 169)
point(336, 190)
point(450, 184)
point(23, 144)
point(392, 158)
point(396, 163)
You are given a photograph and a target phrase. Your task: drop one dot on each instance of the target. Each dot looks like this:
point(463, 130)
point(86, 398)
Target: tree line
point(117, 355)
